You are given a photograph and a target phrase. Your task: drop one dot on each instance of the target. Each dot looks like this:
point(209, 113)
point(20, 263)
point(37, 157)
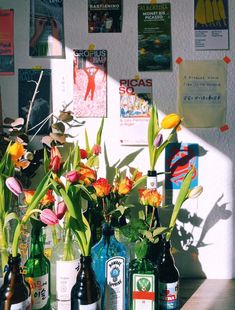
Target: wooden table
point(207, 294)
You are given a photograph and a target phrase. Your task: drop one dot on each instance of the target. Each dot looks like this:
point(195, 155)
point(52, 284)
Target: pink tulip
point(48, 217)
point(14, 186)
point(96, 150)
point(61, 208)
point(72, 176)
point(158, 140)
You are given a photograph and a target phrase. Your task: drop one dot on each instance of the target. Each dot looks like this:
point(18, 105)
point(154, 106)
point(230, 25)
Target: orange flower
point(48, 199)
point(28, 195)
point(86, 175)
point(16, 150)
point(102, 187)
point(125, 186)
point(150, 197)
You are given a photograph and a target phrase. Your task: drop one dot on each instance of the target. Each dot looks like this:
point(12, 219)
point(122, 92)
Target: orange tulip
point(28, 196)
point(125, 186)
point(86, 175)
point(102, 187)
point(48, 199)
point(150, 197)
point(16, 150)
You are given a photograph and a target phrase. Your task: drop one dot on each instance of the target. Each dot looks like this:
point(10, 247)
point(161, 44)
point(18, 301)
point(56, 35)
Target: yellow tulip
point(16, 150)
point(170, 121)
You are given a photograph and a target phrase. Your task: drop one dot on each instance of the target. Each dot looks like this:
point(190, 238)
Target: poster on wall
point(202, 93)
point(211, 25)
point(104, 16)
point(135, 103)
point(46, 29)
point(39, 120)
point(179, 158)
point(154, 37)
point(90, 83)
point(6, 42)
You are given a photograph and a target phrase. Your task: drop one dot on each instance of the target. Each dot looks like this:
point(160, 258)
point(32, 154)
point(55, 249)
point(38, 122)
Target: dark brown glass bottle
point(85, 293)
point(15, 292)
point(168, 280)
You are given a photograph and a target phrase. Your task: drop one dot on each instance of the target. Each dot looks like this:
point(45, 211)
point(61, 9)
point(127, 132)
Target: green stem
point(15, 242)
point(54, 235)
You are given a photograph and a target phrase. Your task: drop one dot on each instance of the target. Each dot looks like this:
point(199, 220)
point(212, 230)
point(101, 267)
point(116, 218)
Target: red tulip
point(96, 150)
point(48, 217)
point(83, 154)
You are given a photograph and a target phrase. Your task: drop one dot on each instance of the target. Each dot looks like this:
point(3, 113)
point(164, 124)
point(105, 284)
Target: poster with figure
point(46, 29)
point(179, 158)
point(202, 93)
point(104, 16)
point(7, 42)
point(154, 37)
point(211, 25)
point(39, 119)
point(135, 103)
point(90, 83)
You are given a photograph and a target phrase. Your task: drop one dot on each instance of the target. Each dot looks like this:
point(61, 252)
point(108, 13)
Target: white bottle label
point(143, 292)
point(24, 305)
point(152, 183)
point(168, 295)
point(94, 306)
point(66, 274)
point(115, 283)
point(39, 291)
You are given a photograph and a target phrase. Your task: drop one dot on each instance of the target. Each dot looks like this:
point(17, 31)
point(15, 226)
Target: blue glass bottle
point(110, 263)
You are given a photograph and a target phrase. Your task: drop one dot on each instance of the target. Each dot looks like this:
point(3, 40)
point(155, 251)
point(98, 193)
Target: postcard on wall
point(179, 158)
point(104, 16)
point(6, 42)
point(90, 83)
point(202, 93)
point(154, 37)
point(46, 29)
point(39, 120)
point(211, 25)
point(135, 103)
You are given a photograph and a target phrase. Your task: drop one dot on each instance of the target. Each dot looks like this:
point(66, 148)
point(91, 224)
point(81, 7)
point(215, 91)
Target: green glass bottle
point(37, 269)
point(142, 285)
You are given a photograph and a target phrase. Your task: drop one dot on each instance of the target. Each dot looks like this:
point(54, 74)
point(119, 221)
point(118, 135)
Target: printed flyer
point(46, 29)
point(6, 42)
point(211, 25)
point(179, 157)
point(135, 103)
point(154, 37)
point(90, 83)
point(39, 121)
point(104, 16)
point(202, 93)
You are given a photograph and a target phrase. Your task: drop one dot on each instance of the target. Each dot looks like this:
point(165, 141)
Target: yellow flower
point(16, 150)
point(170, 121)
point(150, 197)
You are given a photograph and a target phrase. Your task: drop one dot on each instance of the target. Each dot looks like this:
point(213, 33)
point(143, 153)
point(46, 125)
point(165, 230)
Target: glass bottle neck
point(36, 247)
point(14, 269)
point(166, 255)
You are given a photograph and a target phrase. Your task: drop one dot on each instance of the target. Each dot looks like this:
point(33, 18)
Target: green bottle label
point(143, 292)
point(39, 291)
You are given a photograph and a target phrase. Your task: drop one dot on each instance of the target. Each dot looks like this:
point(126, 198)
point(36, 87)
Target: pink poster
point(90, 83)
point(6, 42)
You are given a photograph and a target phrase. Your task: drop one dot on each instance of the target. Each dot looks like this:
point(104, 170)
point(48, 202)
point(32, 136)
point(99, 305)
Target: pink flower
point(96, 150)
point(14, 186)
point(72, 176)
point(61, 208)
point(48, 217)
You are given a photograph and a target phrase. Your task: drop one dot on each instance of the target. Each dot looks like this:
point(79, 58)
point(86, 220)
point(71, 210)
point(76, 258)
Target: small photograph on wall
point(202, 93)
point(7, 42)
point(90, 83)
point(154, 37)
point(211, 25)
point(39, 117)
point(179, 158)
point(46, 29)
point(135, 103)
point(104, 16)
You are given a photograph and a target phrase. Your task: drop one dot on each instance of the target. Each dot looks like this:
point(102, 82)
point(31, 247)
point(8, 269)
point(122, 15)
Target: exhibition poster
point(179, 159)
point(39, 120)
point(46, 29)
point(135, 103)
point(202, 93)
point(6, 42)
point(211, 25)
point(104, 16)
point(90, 83)
point(154, 37)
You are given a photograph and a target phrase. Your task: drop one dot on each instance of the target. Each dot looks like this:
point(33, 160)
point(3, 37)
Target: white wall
point(216, 169)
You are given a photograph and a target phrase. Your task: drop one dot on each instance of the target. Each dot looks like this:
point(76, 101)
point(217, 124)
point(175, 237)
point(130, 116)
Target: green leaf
point(76, 157)
point(99, 133)
point(141, 249)
point(129, 159)
point(153, 129)
point(9, 217)
point(160, 230)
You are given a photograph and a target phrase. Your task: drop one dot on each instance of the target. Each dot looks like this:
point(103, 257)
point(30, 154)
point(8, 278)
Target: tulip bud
point(96, 150)
point(158, 140)
point(72, 176)
point(195, 192)
point(83, 154)
point(61, 208)
point(48, 217)
point(14, 186)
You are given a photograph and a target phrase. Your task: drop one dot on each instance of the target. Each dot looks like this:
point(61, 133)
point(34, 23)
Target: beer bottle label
point(115, 285)
point(24, 305)
point(94, 306)
point(66, 274)
point(168, 295)
point(143, 292)
point(39, 291)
